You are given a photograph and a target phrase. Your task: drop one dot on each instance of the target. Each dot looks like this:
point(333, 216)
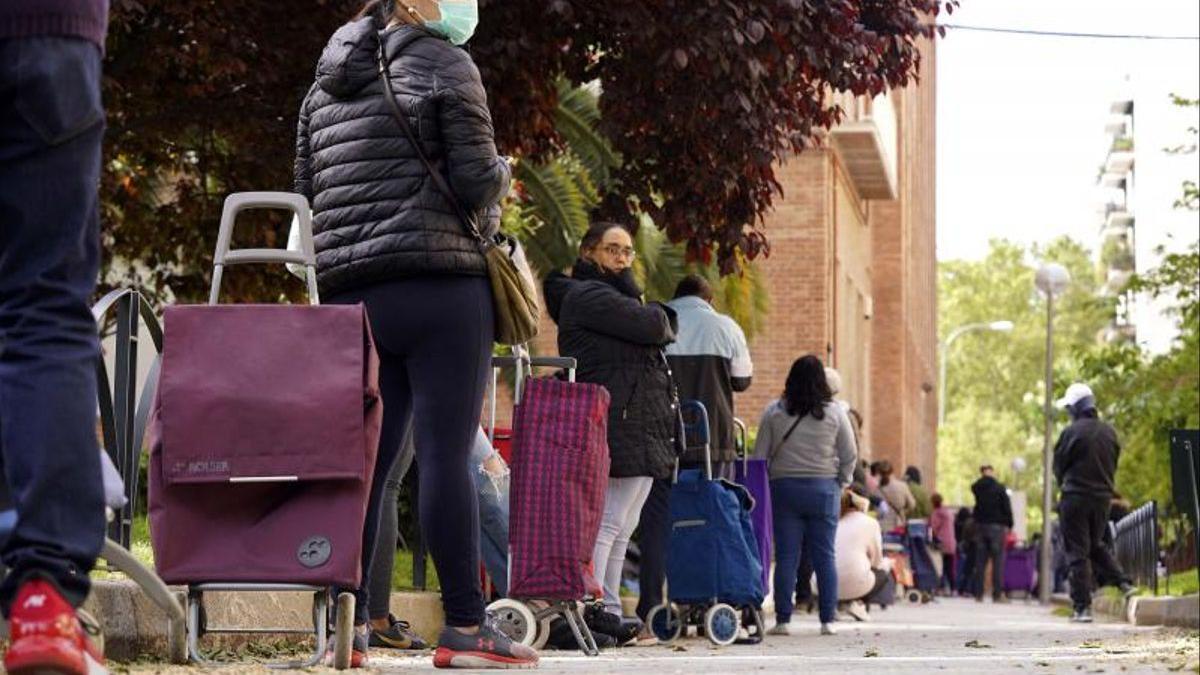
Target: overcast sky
point(1021, 118)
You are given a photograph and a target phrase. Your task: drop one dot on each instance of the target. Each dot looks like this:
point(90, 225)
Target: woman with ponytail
point(395, 153)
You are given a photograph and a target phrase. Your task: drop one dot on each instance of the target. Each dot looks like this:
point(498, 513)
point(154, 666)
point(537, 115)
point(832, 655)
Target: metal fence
point(1136, 544)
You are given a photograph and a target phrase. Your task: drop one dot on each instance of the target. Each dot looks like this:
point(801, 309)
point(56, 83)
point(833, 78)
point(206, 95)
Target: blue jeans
point(806, 517)
point(492, 490)
point(51, 125)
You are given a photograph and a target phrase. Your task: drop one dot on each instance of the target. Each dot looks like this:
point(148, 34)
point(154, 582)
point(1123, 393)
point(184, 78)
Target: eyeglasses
point(618, 251)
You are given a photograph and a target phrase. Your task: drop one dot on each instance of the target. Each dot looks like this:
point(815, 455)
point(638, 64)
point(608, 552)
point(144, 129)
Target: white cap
point(834, 378)
point(1075, 393)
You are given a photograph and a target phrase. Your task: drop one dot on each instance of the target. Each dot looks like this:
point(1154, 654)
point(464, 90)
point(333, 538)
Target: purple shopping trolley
point(263, 439)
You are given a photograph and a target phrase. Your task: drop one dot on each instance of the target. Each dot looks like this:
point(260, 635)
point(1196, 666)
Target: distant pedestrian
point(941, 529)
point(806, 438)
point(1085, 466)
point(897, 496)
point(964, 534)
point(912, 476)
point(993, 520)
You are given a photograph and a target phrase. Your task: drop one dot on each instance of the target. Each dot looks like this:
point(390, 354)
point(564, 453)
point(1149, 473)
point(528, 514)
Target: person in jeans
point(806, 438)
point(993, 520)
point(1085, 466)
point(941, 531)
point(491, 479)
point(387, 237)
point(710, 361)
point(51, 126)
point(618, 342)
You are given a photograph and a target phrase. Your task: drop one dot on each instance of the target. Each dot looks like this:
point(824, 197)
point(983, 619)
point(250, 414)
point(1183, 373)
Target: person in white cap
point(1085, 466)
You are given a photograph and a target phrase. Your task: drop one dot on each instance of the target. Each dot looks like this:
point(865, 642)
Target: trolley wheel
point(177, 648)
point(343, 635)
point(543, 633)
point(665, 622)
point(914, 596)
point(515, 620)
point(721, 624)
point(926, 598)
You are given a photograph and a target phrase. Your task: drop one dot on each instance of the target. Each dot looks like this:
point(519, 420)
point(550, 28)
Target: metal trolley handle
point(245, 201)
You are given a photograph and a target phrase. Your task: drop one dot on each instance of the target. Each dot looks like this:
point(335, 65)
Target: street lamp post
point(1001, 326)
point(1052, 279)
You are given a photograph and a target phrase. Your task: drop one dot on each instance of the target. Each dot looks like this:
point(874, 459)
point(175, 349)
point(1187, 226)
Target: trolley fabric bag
point(560, 473)
point(263, 438)
point(753, 474)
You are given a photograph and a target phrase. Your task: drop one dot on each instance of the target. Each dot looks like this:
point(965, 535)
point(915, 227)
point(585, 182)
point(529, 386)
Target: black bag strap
point(439, 181)
point(783, 440)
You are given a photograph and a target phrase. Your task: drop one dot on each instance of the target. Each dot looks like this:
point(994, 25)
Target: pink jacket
point(941, 528)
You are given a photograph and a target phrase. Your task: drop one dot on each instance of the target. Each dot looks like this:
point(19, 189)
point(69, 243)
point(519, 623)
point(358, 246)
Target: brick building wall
point(853, 281)
point(904, 351)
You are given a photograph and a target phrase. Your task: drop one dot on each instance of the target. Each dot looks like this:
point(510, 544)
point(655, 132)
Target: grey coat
point(377, 215)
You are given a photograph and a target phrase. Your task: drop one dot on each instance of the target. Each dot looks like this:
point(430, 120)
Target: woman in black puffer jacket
point(618, 341)
point(387, 237)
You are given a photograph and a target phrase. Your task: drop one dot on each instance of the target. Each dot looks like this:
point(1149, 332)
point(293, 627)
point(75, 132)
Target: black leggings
point(434, 336)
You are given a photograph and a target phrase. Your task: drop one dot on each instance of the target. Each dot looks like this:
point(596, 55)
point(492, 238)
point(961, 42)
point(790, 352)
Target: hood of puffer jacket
point(555, 289)
point(350, 60)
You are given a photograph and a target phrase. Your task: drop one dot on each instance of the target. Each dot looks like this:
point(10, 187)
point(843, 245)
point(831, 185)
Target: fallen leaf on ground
point(679, 648)
point(870, 653)
point(976, 644)
point(1091, 644)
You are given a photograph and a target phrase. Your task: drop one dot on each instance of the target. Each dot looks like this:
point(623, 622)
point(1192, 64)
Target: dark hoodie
point(618, 342)
point(1086, 455)
point(376, 214)
point(992, 505)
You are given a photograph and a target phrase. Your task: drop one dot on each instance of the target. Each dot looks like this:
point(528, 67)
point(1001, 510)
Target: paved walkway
point(949, 636)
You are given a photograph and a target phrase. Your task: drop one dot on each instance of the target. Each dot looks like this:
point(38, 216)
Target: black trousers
point(1084, 520)
point(434, 336)
point(989, 545)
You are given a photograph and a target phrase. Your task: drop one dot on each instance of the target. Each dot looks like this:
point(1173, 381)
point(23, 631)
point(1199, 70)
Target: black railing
point(1136, 544)
point(123, 414)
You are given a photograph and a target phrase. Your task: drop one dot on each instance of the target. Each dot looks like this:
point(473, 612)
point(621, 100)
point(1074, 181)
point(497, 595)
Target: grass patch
point(1062, 611)
point(1182, 583)
point(402, 573)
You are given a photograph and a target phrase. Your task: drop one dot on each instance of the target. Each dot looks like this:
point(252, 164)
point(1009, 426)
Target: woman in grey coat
point(809, 444)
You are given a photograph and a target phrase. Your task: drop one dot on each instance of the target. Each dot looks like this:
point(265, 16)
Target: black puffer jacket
point(377, 214)
point(618, 342)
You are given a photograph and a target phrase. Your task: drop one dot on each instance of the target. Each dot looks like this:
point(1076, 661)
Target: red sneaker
point(47, 636)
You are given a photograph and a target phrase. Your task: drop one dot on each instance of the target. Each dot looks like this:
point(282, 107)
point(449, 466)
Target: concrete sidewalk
point(954, 636)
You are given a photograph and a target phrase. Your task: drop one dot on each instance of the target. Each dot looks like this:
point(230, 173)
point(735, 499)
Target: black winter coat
point(992, 505)
point(618, 342)
point(377, 215)
point(1085, 458)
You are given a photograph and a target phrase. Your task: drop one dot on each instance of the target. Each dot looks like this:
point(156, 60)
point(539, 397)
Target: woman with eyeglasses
point(618, 341)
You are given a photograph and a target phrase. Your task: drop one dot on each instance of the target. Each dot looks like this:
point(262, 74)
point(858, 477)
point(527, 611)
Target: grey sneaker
point(827, 629)
point(780, 629)
point(1083, 615)
point(488, 648)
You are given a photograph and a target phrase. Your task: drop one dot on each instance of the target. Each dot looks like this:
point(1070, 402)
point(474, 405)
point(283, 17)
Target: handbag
point(513, 289)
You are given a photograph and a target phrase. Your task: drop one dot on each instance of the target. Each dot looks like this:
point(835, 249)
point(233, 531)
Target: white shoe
point(858, 610)
point(827, 629)
point(780, 629)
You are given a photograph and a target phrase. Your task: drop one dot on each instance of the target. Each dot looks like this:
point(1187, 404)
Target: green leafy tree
point(995, 382)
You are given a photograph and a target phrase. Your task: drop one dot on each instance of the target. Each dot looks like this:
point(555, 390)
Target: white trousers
point(622, 509)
